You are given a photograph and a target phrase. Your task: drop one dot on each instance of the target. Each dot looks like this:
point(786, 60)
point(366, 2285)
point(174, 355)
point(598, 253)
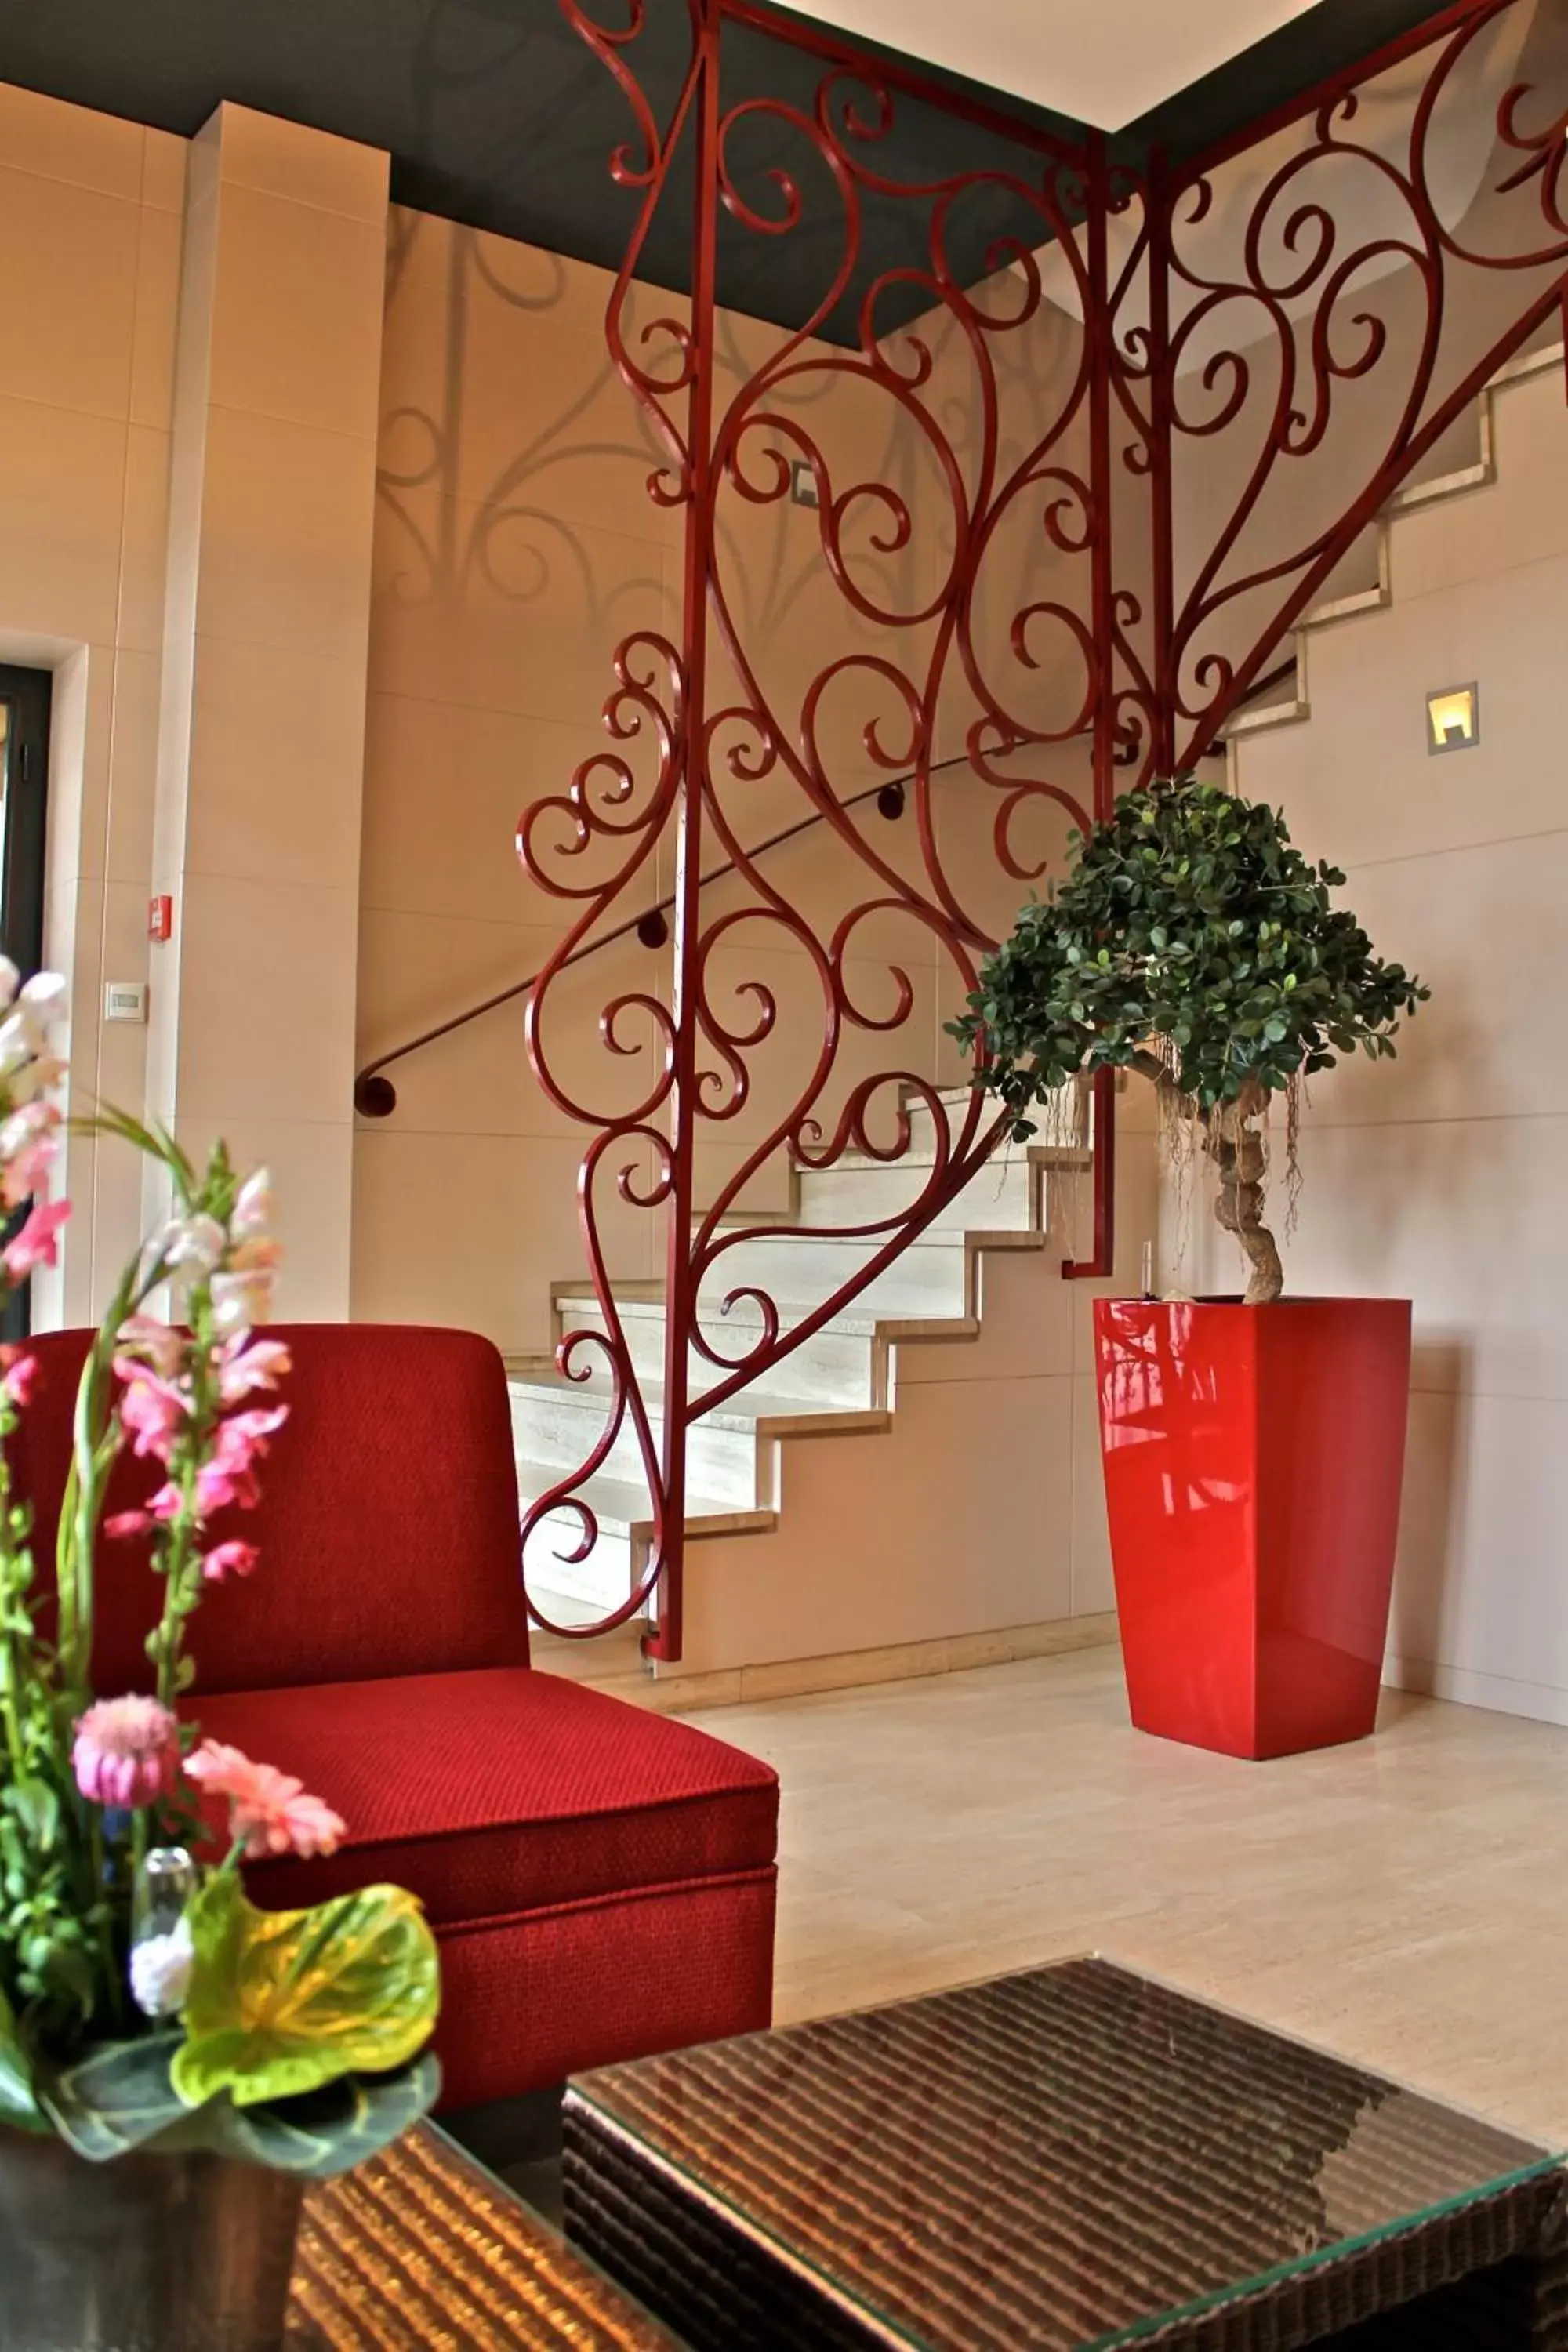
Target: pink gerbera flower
point(268, 1809)
point(126, 1752)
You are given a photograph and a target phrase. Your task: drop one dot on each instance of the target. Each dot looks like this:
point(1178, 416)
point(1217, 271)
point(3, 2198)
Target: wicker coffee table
point(420, 2247)
point(1070, 2159)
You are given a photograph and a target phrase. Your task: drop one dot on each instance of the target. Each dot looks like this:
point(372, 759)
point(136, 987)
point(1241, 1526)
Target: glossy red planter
point(1253, 1461)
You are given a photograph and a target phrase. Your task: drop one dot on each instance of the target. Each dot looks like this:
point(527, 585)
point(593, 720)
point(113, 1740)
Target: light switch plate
point(125, 1000)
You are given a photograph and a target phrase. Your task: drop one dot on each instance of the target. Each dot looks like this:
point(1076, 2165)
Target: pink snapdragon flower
point(29, 1149)
point(253, 1208)
point(268, 1809)
point(231, 1559)
point(37, 1244)
point(247, 1365)
point(240, 1299)
point(192, 1245)
point(122, 1525)
point(155, 1411)
point(21, 1376)
point(126, 1752)
point(147, 1340)
point(229, 1477)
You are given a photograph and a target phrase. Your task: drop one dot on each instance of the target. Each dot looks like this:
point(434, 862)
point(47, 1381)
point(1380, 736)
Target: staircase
point(1415, 497)
point(840, 1384)
point(919, 1362)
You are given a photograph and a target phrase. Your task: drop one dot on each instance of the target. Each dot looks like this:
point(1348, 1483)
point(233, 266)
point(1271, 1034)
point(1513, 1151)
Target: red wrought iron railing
point(1133, 424)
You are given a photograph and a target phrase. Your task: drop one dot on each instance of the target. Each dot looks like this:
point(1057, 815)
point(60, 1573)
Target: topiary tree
point(1193, 941)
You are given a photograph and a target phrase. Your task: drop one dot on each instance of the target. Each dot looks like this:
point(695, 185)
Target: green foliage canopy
point(1192, 927)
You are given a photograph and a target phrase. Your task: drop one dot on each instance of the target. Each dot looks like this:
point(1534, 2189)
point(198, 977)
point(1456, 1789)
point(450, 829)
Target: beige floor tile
point(1403, 1901)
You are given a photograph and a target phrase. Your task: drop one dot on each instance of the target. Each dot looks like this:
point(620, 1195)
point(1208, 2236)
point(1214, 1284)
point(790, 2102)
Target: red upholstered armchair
point(600, 1879)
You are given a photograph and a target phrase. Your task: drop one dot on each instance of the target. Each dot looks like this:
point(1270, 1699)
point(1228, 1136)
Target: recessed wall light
point(1454, 718)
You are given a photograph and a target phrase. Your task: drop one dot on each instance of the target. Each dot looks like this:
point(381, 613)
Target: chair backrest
point(388, 1526)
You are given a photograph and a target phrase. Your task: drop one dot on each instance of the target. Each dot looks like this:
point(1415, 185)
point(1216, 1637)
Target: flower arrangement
point(145, 2004)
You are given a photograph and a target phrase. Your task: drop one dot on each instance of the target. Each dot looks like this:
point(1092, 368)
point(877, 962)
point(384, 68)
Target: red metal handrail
point(376, 1097)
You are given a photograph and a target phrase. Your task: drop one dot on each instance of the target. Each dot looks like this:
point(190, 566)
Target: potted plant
point(174, 2065)
point(1253, 1447)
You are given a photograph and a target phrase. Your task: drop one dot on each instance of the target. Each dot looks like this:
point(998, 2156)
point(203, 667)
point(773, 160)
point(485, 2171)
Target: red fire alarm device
point(160, 919)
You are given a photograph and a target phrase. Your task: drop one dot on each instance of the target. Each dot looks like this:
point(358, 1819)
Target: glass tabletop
point(1069, 2159)
point(423, 2245)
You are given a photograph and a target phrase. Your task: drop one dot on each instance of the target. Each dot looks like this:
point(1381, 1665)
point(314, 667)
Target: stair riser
point(601, 1582)
point(999, 1198)
point(721, 1463)
point(832, 1368)
point(927, 1278)
point(1060, 1120)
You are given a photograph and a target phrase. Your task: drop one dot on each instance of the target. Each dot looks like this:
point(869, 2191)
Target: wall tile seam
point(1461, 1390)
point(578, 724)
point(201, 1113)
point(120, 418)
point(472, 922)
point(271, 882)
point(353, 660)
point(116, 722)
point(138, 202)
point(1403, 1663)
point(361, 441)
point(368, 221)
point(1455, 849)
point(1316, 1123)
point(378, 1131)
point(667, 548)
point(154, 203)
point(121, 641)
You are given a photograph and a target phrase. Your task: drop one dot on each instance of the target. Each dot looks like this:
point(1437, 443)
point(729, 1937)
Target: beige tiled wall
point(192, 361)
point(1439, 1176)
point(90, 251)
point(257, 834)
point(515, 546)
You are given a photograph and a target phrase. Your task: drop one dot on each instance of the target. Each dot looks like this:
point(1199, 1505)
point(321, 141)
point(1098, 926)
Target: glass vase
point(188, 2253)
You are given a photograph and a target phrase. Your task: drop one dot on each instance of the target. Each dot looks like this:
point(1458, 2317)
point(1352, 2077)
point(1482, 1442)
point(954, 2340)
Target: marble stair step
point(1004, 1193)
point(834, 1366)
point(927, 1277)
point(625, 1515)
point(557, 1421)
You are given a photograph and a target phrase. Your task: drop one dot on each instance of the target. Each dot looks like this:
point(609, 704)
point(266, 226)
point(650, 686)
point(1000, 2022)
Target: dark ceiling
point(497, 114)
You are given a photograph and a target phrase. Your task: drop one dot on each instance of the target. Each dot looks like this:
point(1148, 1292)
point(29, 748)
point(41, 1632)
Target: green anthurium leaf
point(18, 2105)
point(331, 2130)
point(281, 2003)
point(116, 2098)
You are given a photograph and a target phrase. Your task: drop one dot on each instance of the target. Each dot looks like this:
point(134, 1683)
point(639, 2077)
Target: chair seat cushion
point(499, 1792)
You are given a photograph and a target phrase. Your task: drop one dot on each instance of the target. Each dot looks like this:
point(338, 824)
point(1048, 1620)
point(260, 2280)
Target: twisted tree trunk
point(1232, 1141)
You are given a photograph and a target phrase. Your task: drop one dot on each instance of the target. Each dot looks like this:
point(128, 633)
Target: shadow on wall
point(534, 469)
point(517, 545)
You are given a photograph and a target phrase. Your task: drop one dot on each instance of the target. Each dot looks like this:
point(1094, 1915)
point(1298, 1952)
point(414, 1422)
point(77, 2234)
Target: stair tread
point(791, 1313)
point(617, 1504)
point(740, 1412)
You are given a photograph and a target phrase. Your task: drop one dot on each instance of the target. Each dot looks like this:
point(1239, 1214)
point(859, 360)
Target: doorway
point(24, 791)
